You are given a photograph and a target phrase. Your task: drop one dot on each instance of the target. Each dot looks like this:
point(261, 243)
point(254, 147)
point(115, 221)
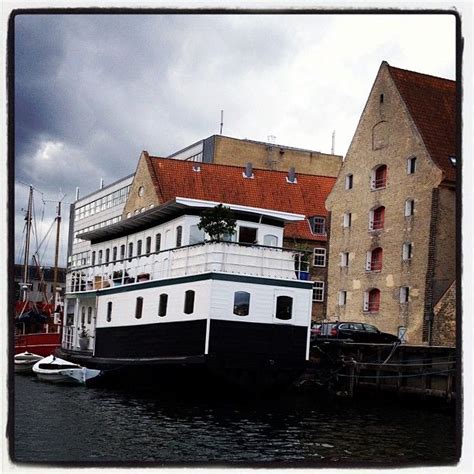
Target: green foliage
point(217, 222)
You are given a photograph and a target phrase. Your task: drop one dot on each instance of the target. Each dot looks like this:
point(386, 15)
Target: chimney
point(248, 173)
point(291, 178)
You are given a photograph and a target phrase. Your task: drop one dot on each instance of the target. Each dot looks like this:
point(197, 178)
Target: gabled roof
point(224, 183)
point(431, 102)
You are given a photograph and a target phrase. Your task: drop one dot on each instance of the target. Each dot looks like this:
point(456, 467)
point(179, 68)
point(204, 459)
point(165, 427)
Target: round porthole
point(141, 190)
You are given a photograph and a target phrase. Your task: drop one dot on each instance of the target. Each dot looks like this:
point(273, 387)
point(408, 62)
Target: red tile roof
point(225, 183)
point(431, 102)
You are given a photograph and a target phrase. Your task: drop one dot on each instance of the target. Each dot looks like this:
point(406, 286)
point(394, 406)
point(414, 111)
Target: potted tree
point(84, 339)
point(217, 222)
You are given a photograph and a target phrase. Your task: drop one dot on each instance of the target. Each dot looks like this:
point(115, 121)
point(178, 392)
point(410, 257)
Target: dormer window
point(318, 225)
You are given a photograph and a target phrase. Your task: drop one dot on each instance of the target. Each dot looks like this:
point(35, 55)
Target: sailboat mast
point(27, 244)
point(56, 255)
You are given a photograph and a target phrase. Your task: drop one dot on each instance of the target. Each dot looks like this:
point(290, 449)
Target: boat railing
point(226, 257)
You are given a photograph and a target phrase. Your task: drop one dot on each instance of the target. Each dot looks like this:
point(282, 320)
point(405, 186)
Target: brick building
point(158, 180)
point(393, 209)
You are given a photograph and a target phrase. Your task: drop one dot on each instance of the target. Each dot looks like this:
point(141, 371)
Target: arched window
point(139, 248)
point(107, 256)
point(148, 246)
point(284, 307)
point(114, 254)
point(122, 252)
point(374, 260)
point(100, 257)
point(93, 258)
point(179, 236)
point(379, 177)
point(372, 300)
point(83, 316)
point(241, 303)
point(130, 251)
point(89, 315)
point(189, 302)
point(377, 218)
point(163, 304)
point(270, 240)
point(139, 308)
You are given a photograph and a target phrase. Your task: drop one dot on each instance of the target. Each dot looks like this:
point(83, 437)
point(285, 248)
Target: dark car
point(356, 332)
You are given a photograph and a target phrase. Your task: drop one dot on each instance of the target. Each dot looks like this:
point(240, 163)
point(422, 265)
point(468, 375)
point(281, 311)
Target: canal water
point(64, 424)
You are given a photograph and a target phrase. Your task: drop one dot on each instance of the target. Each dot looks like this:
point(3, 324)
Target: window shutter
point(368, 261)
point(371, 220)
point(405, 252)
point(366, 301)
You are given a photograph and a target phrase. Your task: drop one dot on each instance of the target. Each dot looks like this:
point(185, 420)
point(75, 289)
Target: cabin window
point(114, 254)
point(163, 304)
point(379, 177)
point(195, 235)
point(83, 316)
point(318, 291)
point(377, 218)
point(270, 240)
point(157, 242)
point(139, 248)
point(189, 302)
point(139, 308)
point(241, 303)
point(319, 257)
point(318, 225)
point(89, 315)
point(148, 246)
point(284, 307)
point(93, 258)
point(407, 251)
point(349, 181)
point(247, 235)
point(107, 256)
point(372, 300)
point(109, 311)
point(179, 236)
point(411, 165)
point(409, 207)
point(130, 251)
point(122, 252)
point(100, 257)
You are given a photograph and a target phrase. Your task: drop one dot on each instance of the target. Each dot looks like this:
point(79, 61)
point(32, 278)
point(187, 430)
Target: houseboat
point(158, 292)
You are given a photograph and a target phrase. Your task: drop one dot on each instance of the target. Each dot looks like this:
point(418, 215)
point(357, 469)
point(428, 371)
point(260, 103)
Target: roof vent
point(291, 178)
point(248, 173)
point(196, 168)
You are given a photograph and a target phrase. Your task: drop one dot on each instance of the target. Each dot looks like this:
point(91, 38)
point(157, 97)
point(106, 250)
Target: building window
point(407, 251)
point(270, 240)
point(374, 260)
point(163, 305)
point(189, 302)
point(89, 315)
point(148, 245)
point(318, 225)
point(284, 307)
point(319, 257)
point(377, 218)
point(381, 98)
point(411, 165)
point(83, 316)
point(157, 242)
point(109, 311)
point(241, 303)
point(247, 235)
point(179, 236)
point(344, 259)
point(318, 291)
point(379, 177)
point(100, 257)
point(409, 207)
point(372, 300)
point(139, 248)
point(114, 254)
point(342, 298)
point(93, 258)
point(139, 308)
point(130, 251)
point(196, 236)
point(347, 220)
point(107, 256)
point(349, 181)
point(122, 252)
point(404, 294)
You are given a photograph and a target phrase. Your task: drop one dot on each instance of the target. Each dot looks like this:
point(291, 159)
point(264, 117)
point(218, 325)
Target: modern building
point(392, 250)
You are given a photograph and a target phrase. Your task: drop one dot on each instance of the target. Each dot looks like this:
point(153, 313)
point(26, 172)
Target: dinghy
point(24, 361)
point(56, 370)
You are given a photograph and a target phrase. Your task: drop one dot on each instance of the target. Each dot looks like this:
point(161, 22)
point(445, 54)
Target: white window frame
point(321, 287)
point(409, 207)
point(344, 259)
point(342, 298)
point(411, 160)
point(407, 251)
point(404, 294)
point(349, 182)
point(347, 220)
point(322, 254)
point(313, 225)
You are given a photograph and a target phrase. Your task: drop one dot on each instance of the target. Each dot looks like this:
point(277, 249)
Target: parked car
point(356, 332)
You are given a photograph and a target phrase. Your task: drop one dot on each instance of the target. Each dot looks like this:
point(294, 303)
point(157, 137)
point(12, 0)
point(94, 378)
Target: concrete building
point(393, 210)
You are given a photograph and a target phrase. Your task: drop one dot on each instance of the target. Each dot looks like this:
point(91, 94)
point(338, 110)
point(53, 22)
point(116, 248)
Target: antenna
point(333, 141)
point(222, 121)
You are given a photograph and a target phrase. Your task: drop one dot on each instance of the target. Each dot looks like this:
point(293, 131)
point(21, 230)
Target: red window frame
point(379, 218)
point(374, 300)
point(376, 259)
point(380, 178)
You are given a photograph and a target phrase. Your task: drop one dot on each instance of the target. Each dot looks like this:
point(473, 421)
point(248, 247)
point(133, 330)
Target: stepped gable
point(225, 183)
point(431, 102)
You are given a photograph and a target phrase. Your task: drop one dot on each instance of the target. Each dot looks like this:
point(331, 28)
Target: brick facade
point(444, 322)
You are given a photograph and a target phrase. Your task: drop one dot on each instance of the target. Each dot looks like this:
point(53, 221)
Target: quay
point(351, 369)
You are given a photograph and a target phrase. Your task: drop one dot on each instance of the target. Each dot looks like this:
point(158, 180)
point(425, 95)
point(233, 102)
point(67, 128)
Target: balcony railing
point(227, 257)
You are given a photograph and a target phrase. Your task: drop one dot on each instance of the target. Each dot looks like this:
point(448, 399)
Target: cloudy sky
point(93, 91)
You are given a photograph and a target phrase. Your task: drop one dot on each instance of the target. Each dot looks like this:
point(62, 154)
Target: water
point(57, 424)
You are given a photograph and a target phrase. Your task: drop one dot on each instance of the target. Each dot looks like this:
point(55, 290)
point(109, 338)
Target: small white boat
point(56, 370)
point(25, 361)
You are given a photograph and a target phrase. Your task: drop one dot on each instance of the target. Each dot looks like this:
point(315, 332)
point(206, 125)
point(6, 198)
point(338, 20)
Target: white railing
point(252, 260)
